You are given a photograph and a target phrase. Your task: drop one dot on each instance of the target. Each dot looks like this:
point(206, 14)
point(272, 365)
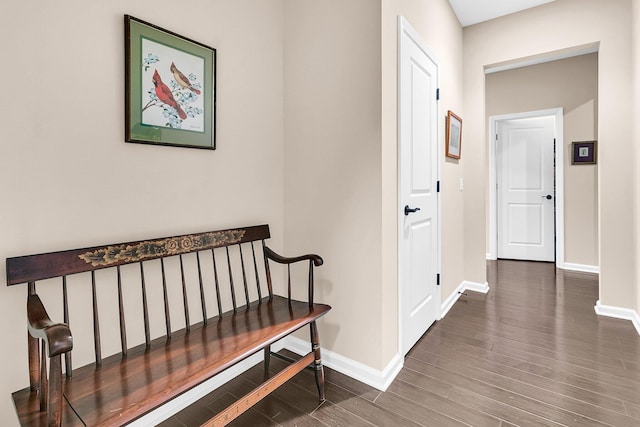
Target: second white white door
point(526, 188)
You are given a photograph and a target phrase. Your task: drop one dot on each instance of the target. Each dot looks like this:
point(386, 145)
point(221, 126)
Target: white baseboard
point(451, 299)
point(363, 373)
point(464, 286)
point(483, 288)
point(619, 313)
point(380, 380)
point(583, 268)
point(174, 406)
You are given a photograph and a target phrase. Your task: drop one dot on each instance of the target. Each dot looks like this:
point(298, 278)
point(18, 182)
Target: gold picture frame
point(453, 135)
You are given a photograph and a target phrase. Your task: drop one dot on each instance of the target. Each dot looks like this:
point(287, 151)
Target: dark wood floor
point(532, 352)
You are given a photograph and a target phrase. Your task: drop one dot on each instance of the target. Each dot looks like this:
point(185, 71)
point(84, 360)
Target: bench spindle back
point(149, 255)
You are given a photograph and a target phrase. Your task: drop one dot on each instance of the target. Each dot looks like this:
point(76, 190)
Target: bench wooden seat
point(122, 387)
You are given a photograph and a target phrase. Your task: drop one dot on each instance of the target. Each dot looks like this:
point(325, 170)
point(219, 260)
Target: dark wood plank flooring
point(532, 352)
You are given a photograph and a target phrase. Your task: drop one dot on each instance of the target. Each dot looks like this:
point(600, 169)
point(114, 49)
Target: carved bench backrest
point(208, 273)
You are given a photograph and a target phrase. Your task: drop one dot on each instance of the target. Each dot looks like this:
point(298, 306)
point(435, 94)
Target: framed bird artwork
point(170, 88)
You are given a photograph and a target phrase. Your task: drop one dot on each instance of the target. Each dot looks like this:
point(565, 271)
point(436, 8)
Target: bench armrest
point(317, 260)
point(314, 260)
point(57, 336)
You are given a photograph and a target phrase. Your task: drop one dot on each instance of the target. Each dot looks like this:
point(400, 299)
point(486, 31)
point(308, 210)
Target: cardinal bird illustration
point(165, 95)
point(182, 80)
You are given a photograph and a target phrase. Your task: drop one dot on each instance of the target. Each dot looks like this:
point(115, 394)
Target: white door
point(418, 199)
point(525, 194)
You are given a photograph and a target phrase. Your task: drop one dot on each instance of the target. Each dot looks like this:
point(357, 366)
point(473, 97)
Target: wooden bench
point(228, 271)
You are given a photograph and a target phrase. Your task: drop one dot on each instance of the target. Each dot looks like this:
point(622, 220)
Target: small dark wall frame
point(453, 136)
point(170, 88)
point(584, 153)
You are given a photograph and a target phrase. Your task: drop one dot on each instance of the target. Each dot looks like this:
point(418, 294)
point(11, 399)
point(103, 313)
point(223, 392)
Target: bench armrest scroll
point(314, 260)
point(317, 260)
point(57, 336)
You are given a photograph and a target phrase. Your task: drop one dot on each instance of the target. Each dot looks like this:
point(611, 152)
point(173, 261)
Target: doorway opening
point(523, 223)
point(570, 83)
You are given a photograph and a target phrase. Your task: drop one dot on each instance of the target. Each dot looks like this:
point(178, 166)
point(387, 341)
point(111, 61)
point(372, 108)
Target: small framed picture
point(583, 153)
point(453, 135)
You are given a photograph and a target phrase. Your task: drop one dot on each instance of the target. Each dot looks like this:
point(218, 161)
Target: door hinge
point(438, 187)
point(438, 279)
point(438, 94)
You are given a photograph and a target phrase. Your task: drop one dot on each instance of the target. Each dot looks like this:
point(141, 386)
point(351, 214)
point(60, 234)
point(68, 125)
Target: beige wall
point(341, 162)
point(69, 179)
point(566, 23)
point(332, 163)
point(573, 85)
point(636, 133)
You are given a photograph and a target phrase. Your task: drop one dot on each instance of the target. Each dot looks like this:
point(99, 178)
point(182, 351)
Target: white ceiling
point(471, 12)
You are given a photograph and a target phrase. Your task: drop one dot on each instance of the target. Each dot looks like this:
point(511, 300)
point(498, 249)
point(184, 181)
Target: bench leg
point(267, 359)
point(34, 362)
point(317, 363)
point(54, 407)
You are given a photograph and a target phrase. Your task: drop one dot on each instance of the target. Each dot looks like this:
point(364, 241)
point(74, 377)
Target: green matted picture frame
point(170, 88)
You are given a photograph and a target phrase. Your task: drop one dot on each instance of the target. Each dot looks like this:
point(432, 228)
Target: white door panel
point(526, 225)
point(419, 297)
point(421, 269)
point(525, 159)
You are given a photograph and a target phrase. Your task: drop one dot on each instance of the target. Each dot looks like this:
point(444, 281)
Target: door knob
point(548, 197)
point(408, 210)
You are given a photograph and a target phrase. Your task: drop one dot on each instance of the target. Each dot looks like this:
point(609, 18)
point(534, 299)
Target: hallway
point(532, 352)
